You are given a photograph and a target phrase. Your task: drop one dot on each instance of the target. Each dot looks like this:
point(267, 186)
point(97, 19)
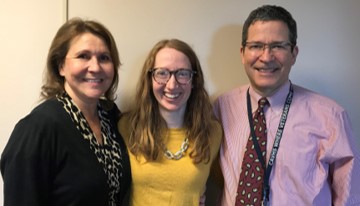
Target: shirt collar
point(276, 100)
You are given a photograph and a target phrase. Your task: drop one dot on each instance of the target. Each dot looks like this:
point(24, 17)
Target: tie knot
point(263, 102)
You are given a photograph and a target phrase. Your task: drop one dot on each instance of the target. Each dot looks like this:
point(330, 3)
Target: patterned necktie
point(251, 178)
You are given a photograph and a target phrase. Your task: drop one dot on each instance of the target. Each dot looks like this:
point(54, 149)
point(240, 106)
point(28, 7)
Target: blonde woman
point(68, 151)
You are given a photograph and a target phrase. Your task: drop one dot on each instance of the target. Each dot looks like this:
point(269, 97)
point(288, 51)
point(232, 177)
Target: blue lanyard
point(276, 145)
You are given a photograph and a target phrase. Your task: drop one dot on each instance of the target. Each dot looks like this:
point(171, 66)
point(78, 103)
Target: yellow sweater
point(169, 182)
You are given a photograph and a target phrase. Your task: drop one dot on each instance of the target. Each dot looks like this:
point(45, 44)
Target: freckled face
point(268, 71)
point(88, 69)
point(172, 96)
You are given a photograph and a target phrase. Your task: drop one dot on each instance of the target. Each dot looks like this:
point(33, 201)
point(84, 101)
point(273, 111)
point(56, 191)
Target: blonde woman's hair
point(53, 81)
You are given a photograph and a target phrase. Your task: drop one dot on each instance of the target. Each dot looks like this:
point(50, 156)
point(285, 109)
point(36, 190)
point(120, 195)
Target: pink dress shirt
point(317, 163)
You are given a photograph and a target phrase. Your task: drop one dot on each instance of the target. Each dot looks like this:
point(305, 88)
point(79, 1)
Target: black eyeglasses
point(162, 75)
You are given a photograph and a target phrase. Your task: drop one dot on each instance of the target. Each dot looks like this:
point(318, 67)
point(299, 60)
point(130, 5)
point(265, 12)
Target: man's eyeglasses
point(274, 47)
point(162, 75)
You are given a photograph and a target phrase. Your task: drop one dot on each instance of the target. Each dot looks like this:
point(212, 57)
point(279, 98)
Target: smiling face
point(172, 96)
point(88, 69)
point(268, 70)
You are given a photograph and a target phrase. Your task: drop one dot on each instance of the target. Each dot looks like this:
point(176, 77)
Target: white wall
point(26, 30)
point(327, 29)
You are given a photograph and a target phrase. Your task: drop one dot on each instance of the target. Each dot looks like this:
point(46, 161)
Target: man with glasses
point(298, 148)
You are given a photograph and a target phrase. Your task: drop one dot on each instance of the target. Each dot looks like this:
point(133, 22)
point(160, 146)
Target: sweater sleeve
point(26, 162)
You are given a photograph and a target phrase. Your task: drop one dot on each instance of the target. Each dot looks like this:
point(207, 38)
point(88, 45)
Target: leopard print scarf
point(109, 154)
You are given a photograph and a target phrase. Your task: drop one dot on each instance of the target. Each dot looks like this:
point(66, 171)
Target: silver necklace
point(179, 154)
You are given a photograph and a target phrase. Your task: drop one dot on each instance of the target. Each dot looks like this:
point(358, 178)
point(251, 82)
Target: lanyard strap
point(276, 145)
